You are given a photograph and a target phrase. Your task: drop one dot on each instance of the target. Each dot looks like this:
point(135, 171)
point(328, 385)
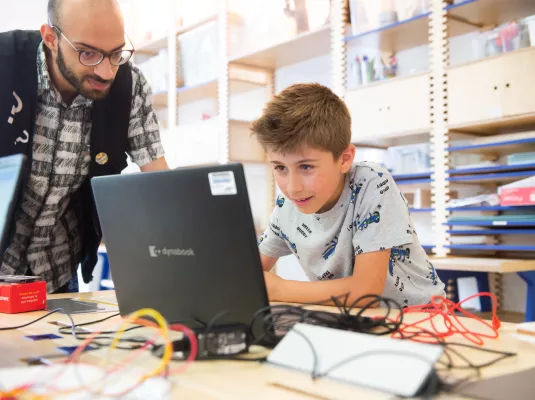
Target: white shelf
point(477, 264)
point(300, 48)
point(197, 143)
point(152, 47)
point(486, 13)
point(495, 125)
point(208, 89)
point(395, 37)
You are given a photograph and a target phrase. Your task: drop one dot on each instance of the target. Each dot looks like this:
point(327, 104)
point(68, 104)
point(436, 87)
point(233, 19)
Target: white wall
point(22, 14)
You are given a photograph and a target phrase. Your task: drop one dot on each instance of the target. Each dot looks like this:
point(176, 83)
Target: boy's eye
point(280, 168)
point(306, 167)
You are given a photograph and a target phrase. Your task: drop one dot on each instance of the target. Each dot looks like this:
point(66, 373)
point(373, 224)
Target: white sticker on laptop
point(222, 183)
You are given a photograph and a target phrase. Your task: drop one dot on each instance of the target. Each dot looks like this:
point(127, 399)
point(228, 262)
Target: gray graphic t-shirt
point(370, 215)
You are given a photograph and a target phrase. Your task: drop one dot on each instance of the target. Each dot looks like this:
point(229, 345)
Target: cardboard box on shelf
point(417, 198)
point(421, 198)
point(519, 193)
point(518, 196)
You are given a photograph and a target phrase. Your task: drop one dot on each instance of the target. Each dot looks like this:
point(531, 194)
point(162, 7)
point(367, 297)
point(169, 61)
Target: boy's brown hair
point(304, 115)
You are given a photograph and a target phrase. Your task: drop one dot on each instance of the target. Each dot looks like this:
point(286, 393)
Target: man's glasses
point(91, 58)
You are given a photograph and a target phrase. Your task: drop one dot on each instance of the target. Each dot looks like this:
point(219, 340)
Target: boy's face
point(311, 178)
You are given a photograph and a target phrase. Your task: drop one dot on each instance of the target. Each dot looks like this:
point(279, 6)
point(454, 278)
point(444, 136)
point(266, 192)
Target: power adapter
point(217, 342)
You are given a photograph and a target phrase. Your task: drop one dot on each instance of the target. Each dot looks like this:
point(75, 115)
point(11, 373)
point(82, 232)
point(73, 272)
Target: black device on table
point(11, 171)
point(183, 242)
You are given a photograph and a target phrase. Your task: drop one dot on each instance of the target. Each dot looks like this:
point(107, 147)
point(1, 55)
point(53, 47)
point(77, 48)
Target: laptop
point(183, 243)
point(11, 169)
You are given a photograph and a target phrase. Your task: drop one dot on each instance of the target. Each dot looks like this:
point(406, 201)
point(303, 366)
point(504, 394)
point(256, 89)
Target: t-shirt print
point(370, 215)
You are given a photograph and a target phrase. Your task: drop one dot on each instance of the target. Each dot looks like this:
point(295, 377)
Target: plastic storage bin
point(409, 159)
point(372, 14)
point(199, 51)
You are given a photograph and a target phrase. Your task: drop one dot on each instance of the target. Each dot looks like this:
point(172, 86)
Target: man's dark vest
point(109, 134)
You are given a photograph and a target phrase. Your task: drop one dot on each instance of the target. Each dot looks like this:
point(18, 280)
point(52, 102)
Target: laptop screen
point(10, 177)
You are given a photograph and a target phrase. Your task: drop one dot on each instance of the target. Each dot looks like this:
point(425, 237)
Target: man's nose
point(105, 70)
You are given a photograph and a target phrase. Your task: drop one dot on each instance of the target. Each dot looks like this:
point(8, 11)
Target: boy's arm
point(268, 262)
point(369, 277)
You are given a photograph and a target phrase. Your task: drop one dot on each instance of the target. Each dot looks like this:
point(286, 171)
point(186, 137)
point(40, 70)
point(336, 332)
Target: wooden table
point(231, 379)
point(459, 267)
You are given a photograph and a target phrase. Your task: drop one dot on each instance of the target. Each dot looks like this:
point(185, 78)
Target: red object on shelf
point(22, 297)
point(517, 196)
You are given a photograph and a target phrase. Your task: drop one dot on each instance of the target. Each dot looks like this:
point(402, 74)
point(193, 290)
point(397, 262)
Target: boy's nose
point(294, 186)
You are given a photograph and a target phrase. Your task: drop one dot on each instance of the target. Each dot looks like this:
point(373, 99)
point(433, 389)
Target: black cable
point(138, 343)
point(10, 328)
point(211, 323)
point(477, 367)
point(71, 330)
point(279, 319)
point(429, 390)
point(92, 322)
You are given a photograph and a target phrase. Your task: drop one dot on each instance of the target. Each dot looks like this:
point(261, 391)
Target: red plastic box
point(517, 196)
point(22, 297)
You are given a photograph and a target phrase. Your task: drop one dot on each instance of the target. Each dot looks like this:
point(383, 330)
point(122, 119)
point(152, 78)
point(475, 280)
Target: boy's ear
point(347, 158)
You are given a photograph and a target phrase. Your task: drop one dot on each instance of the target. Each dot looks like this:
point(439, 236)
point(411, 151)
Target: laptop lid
point(183, 242)
point(10, 181)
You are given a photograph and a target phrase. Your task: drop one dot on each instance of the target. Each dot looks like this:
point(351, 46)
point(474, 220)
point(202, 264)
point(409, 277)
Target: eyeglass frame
point(104, 55)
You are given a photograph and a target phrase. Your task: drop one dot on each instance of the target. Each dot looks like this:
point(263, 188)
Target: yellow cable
point(164, 327)
point(25, 393)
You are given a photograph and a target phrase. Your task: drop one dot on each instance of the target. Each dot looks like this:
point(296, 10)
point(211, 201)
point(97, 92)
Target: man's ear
point(347, 158)
point(50, 38)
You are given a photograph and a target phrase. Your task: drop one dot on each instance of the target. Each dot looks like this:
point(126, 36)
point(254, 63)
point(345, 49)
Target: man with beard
point(70, 101)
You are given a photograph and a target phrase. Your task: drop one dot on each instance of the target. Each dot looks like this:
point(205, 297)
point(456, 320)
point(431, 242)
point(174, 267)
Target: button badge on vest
point(101, 158)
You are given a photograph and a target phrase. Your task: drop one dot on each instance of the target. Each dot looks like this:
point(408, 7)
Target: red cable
point(445, 310)
point(194, 346)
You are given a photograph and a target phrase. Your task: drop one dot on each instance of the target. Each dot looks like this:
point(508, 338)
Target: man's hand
point(157, 165)
point(273, 283)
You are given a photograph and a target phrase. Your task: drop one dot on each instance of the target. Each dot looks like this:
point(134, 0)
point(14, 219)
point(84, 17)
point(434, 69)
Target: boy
point(348, 224)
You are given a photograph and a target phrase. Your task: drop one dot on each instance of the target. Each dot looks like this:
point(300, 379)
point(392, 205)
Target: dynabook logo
point(156, 252)
point(4, 298)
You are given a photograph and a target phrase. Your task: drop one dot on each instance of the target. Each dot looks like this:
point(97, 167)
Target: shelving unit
point(496, 178)
point(501, 148)
point(484, 13)
point(483, 264)
point(484, 170)
point(466, 98)
point(496, 222)
point(415, 175)
point(491, 208)
point(492, 232)
point(488, 247)
point(151, 47)
point(407, 182)
point(300, 48)
point(414, 31)
point(208, 89)
point(450, 103)
point(397, 36)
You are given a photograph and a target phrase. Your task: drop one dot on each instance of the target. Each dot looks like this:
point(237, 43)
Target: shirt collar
point(43, 77)
point(44, 83)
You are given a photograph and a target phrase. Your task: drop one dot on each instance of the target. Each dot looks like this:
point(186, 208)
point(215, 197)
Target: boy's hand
point(369, 277)
point(273, 283)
